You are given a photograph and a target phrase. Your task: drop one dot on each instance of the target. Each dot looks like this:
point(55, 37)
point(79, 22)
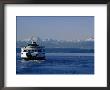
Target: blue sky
point(55, 27)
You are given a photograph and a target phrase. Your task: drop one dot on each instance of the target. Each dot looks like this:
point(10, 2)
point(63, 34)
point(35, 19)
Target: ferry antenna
point(32, 39)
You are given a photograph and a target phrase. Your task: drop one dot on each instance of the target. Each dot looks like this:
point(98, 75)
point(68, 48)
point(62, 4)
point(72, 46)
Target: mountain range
point(51, 43)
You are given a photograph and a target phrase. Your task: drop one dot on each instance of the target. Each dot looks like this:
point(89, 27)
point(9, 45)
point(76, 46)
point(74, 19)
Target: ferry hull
point(30, 57)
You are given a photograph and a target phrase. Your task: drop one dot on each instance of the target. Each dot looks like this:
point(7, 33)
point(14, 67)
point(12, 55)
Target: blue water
point(57, 63)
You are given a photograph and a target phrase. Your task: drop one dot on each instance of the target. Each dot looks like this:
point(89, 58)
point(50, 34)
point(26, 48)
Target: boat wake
point(37, 61)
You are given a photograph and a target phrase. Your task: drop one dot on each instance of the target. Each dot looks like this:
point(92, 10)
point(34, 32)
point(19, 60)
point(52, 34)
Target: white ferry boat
point(33, 52)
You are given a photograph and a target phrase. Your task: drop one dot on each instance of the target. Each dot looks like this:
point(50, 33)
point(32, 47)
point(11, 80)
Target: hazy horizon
point(69, 28)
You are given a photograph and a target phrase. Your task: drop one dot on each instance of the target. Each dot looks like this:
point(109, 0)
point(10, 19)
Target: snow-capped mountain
point(90, 39)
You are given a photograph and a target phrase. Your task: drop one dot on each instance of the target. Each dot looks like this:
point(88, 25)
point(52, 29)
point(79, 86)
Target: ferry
point(33, 51)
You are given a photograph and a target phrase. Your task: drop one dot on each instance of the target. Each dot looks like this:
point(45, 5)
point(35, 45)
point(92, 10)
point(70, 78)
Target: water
point(57, 63)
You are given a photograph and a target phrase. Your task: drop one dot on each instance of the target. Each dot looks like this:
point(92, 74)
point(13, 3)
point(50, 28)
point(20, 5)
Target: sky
point(68, 28)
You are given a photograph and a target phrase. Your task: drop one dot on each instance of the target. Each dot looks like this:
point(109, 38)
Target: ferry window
point(29, 44)
point(25, 51)
point(33, 45)
point(32, 50)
